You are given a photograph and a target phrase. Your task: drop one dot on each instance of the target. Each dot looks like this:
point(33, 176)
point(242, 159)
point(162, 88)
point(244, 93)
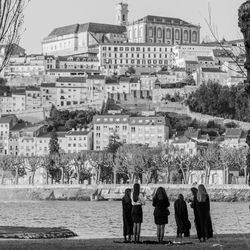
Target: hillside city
point(119, 95)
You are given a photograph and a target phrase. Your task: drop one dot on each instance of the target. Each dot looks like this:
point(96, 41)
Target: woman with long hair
point(126, 214)
point(203, 209)
point(181, 217)
point(137, 215)
point(161, 212)
point(193, 204)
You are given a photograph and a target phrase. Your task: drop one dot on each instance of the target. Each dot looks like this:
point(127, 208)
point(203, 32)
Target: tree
point(11, 20)
point(130, 71)
point(53, 143)
point(113, 146)
point(34, 163)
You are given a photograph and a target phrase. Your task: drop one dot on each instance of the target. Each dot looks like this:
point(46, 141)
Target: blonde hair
point(202, 193)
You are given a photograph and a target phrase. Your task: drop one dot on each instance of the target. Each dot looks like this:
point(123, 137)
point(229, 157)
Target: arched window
point(193, 178)
point(177, 35)
point(159, 33)
point(185, 35)
point(194, 36)
point(168, 34)
point(215, 178)
point(203, 178)
point(150, 32)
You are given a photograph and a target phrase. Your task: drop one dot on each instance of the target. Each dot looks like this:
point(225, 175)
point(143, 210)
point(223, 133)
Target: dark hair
point(194, 191)
point(161, 193)
point(136, 192)
point(127, 194)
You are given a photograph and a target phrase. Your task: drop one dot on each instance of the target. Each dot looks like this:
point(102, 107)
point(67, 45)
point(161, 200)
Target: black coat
point(127, 217)
point(196, 216)
point(181, 217)
point(203, 209)
point(161, 211)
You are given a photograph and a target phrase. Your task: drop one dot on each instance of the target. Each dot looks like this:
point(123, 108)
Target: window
point(150, 32)
point(194, 36)
point(168, 34)
point(177, 34)
point(185, 35)
point(133, 129)
point(159, 33)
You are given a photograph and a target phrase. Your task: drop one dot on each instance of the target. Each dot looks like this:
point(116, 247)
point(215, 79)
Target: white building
point(113, 57)
point(151, 130)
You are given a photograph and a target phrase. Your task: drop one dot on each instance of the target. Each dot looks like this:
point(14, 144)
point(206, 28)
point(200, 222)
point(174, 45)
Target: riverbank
point(220, 193)
point(228, 242)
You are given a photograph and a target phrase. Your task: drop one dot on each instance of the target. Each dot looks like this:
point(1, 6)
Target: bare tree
point(11, 21)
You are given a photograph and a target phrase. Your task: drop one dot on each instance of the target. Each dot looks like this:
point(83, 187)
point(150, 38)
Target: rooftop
point(212, 70)
point(71, 79)
point(205, 58)
point(48, 85)
point(90, 27)
point(165, 20)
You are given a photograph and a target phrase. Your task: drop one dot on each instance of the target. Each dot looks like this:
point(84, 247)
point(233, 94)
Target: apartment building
point(71, 91)
point(150, 130)
point(33, 98)
point(6, 123)
point(114, 57)
point(19, 100)
point(48, 94)
point(6, 104)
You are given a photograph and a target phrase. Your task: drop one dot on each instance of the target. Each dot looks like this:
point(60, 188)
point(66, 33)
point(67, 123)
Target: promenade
point(219, 242)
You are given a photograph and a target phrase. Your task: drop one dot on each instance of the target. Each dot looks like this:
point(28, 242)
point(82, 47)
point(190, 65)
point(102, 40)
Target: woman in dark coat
point(161, 212)
point(181, 217)
point(193, 204)
point(127, 217)
point(203, 208)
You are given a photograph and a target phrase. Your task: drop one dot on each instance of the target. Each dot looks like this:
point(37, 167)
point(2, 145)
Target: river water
point(104, 219)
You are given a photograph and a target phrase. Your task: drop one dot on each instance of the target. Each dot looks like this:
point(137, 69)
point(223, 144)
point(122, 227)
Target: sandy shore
point(228, 242)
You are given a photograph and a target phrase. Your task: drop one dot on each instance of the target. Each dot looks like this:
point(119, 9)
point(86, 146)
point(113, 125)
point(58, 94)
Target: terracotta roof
point(223, 53)
point(102, 28)
point(147, 120)
point(48, 135)
point(205, 58)
point(48, 85)
point(110, 80)
point(191, 62)
point(32, 88)
point(134, 80)
point(99, 77)
point(76, 132)
point(110, 119)
point(124, 79)
point(192, 133)
point(233, 133)
point(65, 30)
point(212, 70)
point(165, 20)
point(90, 27)
point(18, 92)
point(181, 140)
point(71, 79)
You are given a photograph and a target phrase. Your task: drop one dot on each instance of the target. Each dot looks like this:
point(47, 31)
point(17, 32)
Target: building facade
point(165, 30)
point(113, 56)
point(152, 130)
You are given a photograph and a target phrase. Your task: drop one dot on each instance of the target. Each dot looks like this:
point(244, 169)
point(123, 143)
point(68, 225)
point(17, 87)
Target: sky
point(42, 16)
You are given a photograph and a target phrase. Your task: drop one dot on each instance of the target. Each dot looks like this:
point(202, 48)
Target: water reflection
point(104, 219)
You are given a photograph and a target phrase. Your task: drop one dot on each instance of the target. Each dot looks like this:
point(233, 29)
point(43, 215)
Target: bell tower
point(122, 14)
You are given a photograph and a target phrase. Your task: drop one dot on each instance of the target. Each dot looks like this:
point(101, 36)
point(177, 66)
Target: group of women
point(133, 201)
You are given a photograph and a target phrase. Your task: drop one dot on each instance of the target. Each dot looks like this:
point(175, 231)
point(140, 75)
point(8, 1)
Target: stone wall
point(227, 193)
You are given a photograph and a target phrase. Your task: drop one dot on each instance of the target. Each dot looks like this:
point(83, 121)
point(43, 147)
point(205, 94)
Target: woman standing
point(203, 208)
point(137, 215)
point(193, 204)
point(127, 217)
point(161, 212)
point(181, 217)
